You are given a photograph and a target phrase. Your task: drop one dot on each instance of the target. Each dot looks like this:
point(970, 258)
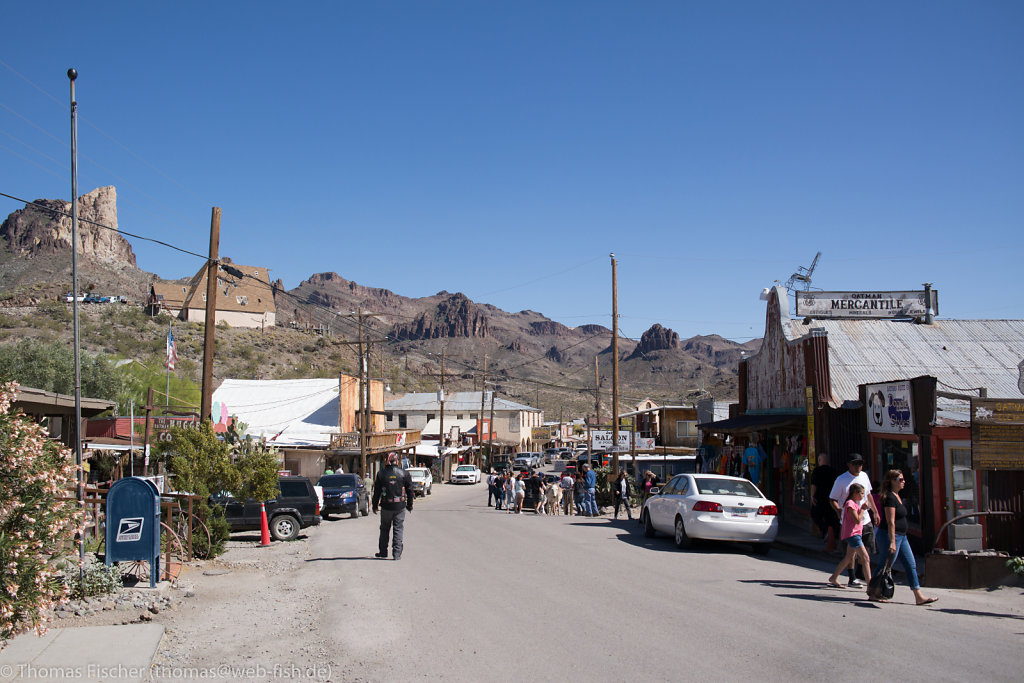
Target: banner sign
point(997, 434)
point(601, 440)
point(864, 304)
point(889, 408)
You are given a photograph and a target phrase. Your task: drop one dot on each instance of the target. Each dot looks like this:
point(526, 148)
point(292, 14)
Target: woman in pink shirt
point(851, 533)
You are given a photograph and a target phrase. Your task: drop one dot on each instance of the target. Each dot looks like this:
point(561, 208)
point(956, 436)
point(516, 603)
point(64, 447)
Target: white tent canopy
point(291, 412)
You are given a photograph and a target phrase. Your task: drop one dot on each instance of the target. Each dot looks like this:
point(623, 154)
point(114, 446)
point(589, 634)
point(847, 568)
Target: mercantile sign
point(864, 304)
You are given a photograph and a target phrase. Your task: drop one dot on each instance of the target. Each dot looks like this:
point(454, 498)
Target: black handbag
point(881, 585)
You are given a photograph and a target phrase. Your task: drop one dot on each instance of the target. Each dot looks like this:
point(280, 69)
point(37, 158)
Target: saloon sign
point(601, 440)
point(864, 304)
point(889, 408)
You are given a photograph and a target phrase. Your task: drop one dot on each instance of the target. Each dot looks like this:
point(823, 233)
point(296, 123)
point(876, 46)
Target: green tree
point(51, 366)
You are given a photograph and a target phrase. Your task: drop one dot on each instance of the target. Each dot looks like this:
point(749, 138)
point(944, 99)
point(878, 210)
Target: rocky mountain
point(528, 356)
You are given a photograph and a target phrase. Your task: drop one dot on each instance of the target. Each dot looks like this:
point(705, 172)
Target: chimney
point(929, 315)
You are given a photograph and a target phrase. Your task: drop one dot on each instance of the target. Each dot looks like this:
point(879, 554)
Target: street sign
point(997, 434)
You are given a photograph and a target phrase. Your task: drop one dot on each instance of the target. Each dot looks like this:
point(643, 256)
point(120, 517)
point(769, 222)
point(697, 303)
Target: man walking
point(490, 489)
point(566, 485)
point(590, 493)
point(837, 498)
point(392, 492)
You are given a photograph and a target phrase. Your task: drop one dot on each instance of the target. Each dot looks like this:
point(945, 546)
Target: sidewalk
point(88, 653)
point(798, 539)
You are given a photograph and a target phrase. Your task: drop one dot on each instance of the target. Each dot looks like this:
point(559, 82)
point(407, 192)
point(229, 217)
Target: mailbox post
point(133, 524)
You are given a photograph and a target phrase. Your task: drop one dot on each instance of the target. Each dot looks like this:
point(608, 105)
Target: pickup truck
point(296, 507)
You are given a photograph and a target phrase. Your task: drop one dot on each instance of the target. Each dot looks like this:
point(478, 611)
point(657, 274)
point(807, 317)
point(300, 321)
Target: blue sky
point(503, 149)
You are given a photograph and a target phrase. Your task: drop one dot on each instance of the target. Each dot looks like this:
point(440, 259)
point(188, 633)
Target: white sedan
point(466, 474)
point(713, 507)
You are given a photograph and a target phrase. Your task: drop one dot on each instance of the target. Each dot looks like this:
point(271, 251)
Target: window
point(389, 416)
point(430, 416)
point(472, 416)
point(242, 299)
point(402, 421)
point(293, 489)
point(686, 428)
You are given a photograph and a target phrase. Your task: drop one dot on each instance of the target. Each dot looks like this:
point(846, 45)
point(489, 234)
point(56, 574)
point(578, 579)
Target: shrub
point(36, 528)
point(1016, 565)
point(99, 579)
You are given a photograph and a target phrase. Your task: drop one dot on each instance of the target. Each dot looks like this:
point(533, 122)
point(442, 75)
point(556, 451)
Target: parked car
point(466, 474)
point(296, 507)
point(596, 459)
point(518, 467)
point(551, 453)
point(712, 507)
point(344, 493)
point(422, 480)
point(69, 297)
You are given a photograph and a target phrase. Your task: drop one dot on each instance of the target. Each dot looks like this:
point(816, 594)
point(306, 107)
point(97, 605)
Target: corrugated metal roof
point(459, 400)
point(961, 354)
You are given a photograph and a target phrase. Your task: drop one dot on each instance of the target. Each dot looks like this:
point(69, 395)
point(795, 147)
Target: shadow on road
point(855, 599)
point(332, 559)
point(774, 583)
point(975, 613)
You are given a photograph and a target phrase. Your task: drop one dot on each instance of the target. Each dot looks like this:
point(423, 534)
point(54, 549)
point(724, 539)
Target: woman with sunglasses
point(892, 536)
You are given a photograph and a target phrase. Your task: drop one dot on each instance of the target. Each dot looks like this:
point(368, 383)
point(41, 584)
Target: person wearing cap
point(840, 492)
point(393, 494)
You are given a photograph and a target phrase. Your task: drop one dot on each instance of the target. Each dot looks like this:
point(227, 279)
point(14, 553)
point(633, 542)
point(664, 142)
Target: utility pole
point(615, 371)
point(597, 394)
point(480, 424)
point(147, 434)
point(490, 430)
point(362, 401)
point(440, 429)
point(206, 407)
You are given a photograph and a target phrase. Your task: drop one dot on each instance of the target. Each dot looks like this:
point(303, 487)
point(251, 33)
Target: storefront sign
point(601, 440)
point(997, 433)
point(864, 304)
point(889, 408)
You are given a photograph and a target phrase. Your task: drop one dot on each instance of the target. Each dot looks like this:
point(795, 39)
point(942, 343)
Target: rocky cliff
point(657, 338)
point(455, 316)
point(44, 228)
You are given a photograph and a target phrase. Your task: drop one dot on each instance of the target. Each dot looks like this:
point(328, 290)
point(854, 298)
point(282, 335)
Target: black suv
point(296, 507)
point(344, 493)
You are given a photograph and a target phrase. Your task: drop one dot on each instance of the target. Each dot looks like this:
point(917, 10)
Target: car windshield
point(338, 481)
point(464, 468)
point(418, 474)
point(719, 486)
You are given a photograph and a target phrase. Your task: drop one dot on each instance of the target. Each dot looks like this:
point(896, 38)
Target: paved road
point(480, 594)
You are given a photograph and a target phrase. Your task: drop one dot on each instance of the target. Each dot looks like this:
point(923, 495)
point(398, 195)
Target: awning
point(747, 423)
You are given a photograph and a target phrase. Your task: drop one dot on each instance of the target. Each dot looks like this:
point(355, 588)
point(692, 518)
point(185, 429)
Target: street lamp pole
point(72, 75)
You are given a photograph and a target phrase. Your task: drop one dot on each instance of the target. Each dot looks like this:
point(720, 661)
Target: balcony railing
point(376, 441)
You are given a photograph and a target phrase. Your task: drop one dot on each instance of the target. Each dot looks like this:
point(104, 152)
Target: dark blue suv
point(344, 493)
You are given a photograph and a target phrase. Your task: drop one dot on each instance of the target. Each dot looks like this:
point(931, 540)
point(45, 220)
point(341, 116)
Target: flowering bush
point(36, 529)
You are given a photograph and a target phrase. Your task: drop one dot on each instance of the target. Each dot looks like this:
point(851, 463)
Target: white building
point(513, 422)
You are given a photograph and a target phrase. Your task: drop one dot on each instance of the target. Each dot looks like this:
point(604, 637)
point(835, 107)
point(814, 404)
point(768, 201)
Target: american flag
point(172, 351)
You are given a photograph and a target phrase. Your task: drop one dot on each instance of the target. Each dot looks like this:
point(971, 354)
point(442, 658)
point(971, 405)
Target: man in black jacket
point(392, 492)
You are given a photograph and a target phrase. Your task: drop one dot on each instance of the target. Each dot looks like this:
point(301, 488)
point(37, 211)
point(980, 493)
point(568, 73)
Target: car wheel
point(761, 548)
point(284, 528)
point(648, 527)
point(325, 515)
point(682, 540)
point(355, 512)
point(430, 489)
point(366, 509)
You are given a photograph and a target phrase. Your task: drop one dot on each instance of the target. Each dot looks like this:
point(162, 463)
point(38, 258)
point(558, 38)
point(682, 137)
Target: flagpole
point(167, 394)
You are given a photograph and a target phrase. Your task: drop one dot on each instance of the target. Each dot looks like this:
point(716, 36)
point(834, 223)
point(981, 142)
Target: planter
point(966, 570)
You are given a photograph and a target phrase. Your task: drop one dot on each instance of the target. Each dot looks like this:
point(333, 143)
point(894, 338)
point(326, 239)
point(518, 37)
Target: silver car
point(713, 507)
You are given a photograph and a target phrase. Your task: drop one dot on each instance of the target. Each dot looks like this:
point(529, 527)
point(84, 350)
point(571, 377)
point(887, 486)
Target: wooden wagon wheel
point(169, 540)
point(189, 524)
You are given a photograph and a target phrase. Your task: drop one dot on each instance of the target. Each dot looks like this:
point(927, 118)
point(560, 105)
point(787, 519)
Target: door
point(960, 493)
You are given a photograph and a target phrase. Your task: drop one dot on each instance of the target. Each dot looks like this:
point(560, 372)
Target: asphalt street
point(479, 593)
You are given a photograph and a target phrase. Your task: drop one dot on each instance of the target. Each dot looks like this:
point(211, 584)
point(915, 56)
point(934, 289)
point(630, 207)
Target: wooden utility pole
point(362, 400)
point(147, 434)
point(615, 371)
point(480, 424)
point(490, 430)
point(206, 406)
point(440, 429)
point(597, 394)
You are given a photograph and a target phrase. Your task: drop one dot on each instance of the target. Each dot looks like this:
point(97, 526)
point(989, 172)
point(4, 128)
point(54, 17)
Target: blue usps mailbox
point(133, 524)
